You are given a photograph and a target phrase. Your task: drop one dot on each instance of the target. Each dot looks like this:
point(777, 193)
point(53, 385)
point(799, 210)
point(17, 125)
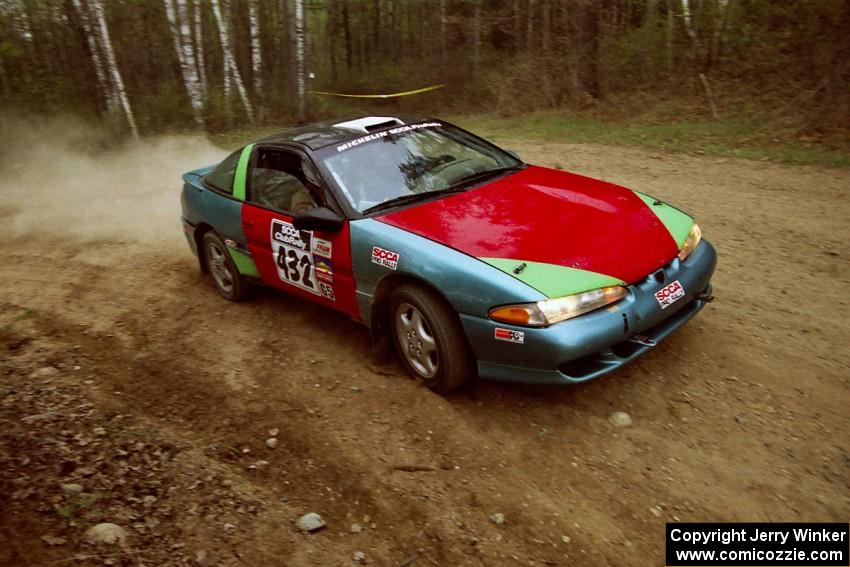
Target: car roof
point(329, 132)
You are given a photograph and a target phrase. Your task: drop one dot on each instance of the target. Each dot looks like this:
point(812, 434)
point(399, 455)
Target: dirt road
point(165, 396)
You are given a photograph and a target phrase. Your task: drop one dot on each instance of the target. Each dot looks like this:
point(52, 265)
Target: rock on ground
point(106, 534)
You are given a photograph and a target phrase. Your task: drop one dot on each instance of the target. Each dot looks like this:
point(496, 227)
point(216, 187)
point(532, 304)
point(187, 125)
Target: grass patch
point(723, 138)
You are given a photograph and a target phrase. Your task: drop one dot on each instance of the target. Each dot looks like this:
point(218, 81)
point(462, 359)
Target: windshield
point(410, 162)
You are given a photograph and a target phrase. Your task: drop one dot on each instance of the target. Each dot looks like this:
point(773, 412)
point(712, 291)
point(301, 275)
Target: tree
point(256, 53)
point(588, 60)
point(300, 41)
point(181, 32)
point(94, 23)
point(103, 85)
point(229, 61)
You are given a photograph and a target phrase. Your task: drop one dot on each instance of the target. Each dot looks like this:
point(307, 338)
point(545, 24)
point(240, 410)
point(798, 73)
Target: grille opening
point(625, 349)
point(581, 367)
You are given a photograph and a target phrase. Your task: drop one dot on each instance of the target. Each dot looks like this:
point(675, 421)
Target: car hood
point(559, 232)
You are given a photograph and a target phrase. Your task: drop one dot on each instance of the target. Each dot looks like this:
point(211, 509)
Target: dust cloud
point(61, 177)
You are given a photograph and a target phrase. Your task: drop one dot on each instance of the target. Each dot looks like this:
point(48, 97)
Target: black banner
point(758, 544)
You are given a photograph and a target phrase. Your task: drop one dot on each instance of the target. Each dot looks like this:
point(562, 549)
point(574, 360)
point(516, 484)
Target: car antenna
point(520, 268)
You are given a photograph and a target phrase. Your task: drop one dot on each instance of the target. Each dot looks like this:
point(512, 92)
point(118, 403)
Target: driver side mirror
point(318, 218)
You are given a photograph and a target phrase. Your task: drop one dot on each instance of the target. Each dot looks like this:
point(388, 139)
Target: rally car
point(470, 261)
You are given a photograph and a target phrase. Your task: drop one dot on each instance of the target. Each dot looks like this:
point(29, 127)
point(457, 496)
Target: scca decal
point(385, 258)
point(669, 294)
point(510, 336)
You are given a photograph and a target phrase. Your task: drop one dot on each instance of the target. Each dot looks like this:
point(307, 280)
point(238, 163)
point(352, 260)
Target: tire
point(229, 283)
point(429, 339)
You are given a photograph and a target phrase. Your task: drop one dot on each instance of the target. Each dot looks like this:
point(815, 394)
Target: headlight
point(551, 311)
point(691, 242)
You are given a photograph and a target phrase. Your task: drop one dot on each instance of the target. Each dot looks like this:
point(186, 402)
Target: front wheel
point(429, 339)
point(226, 277)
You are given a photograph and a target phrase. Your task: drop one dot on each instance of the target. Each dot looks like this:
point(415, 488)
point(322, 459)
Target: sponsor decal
point(324, 269)
point(380, 135)
point(669, 294)
point(327, 291)
point(510, 335)
point(291, 253)
point(385, 258)
point(322, 247)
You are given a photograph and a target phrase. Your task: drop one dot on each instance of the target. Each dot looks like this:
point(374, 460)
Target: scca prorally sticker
point(385, 258)
point(324, 269)
point(322, 247)
point(327, 291)
point(669, 294)
point(291, 250)
point(510, 335)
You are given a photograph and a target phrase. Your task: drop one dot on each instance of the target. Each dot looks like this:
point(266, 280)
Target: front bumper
point(594, 344)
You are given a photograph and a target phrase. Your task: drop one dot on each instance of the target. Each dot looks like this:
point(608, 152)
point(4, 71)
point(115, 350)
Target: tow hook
point(707, 297)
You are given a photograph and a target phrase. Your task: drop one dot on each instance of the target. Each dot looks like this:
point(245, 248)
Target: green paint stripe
point(242, 172)
point(244, 263)
point(552, 280)
point(678, 223)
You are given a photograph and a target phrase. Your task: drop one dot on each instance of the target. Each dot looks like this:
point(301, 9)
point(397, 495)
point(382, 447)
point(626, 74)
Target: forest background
point(751, 78)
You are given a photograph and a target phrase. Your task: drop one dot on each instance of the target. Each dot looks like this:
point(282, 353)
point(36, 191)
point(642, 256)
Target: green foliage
point(69, 511)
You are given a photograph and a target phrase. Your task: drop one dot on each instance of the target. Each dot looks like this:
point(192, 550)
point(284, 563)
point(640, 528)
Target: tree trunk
point(689, 29)
point(517, 25)
point(199, 44)
point(377, 39)
point(330, 37)
point(588, 67)
point(444, 57)
point(719, 23)
point(4, 81)
point(670, 29)
point(529, 29)
point(547, 28)
point(103, 85)
point(227, 81)
point(231, 69)
point(256, 54)
point(181, 32)
point(300, 60)
point(346, 27)
point(112, 67)
point(476, 37)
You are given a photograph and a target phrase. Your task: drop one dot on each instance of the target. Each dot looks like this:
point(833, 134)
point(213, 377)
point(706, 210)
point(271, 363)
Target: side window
point(284, 181)
point(222, 176)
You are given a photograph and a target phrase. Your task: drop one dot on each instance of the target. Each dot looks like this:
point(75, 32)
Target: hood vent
point(370, 124)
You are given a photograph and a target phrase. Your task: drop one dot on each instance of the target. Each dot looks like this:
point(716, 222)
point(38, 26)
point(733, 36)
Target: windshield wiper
point(480, 175)
point(404, 199)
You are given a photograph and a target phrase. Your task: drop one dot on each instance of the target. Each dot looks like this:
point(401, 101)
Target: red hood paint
point(545, 215)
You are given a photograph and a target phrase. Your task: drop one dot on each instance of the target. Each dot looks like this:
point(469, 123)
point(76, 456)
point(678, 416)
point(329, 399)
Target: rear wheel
point(429, 339)
point(226, 277)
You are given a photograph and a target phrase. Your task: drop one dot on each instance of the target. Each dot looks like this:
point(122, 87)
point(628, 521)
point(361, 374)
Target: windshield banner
point(392, 131)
